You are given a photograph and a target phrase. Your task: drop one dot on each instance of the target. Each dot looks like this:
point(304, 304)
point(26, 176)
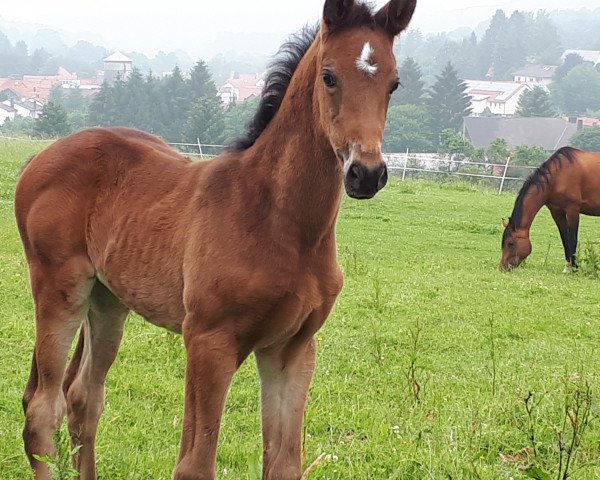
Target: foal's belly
point(159, 305)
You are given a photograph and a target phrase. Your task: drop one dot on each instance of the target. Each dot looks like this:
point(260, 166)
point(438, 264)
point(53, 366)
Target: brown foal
point(237, 253)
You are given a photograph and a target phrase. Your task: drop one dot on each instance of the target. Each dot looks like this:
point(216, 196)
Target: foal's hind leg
point(61, 294)
point(101, 335)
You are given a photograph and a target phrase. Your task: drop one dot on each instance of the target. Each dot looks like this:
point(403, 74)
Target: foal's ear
point(504, 222)
point(395, 16)
point(336, 11)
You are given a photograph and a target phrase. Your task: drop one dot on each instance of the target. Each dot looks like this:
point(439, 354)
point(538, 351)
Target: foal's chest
point(272, 305)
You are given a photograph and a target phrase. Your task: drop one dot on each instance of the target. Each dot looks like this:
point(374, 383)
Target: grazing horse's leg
point(285, 374)
point(212, 358)
point(560, 218)
point(573, 228)
point(85, 395)
point(61, 293)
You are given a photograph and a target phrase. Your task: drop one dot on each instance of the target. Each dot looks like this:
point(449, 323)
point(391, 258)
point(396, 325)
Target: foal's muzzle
point(364, 182)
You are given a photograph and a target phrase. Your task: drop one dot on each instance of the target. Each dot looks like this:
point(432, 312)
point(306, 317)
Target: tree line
point(84, 58)
point(507, 44)
point(418, 115)
point(184, 109)
point(174, 107)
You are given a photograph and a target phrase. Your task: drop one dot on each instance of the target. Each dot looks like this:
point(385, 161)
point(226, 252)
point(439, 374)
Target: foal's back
point(127, 202)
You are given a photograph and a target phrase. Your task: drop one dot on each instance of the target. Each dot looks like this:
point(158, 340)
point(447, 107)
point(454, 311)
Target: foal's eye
point(329, 80)
point(395, 86)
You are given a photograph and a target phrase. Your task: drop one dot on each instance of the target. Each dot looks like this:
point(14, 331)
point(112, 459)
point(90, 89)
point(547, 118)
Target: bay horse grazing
point(238, 253)
point(568, 183)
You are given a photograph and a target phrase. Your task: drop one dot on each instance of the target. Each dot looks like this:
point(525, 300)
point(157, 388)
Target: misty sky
point(204, 27)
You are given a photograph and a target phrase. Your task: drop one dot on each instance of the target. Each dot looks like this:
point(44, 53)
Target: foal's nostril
point(383, 178)
point(355, 175)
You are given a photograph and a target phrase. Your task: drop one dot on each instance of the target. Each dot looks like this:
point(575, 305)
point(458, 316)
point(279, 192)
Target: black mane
point(283, 66)
point(540, 179)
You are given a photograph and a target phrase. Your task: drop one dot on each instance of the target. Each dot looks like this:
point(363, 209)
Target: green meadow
point(433, 364)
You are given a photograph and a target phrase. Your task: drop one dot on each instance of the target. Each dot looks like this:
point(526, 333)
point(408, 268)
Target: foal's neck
point(296, 155)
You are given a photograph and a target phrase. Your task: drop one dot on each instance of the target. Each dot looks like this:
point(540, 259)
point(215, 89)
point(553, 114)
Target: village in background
point(513, 89)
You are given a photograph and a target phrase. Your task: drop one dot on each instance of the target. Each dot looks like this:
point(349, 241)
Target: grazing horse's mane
point(283, 66)
point(540, 179)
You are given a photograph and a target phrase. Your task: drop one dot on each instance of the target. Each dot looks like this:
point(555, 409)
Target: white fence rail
point(404, 165)
point(436, 164)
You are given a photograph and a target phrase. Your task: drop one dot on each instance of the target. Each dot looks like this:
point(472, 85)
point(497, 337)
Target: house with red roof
point(241, 87)
point(36, 87)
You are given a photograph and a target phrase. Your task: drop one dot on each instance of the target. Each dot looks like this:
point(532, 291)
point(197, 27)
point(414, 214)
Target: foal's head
point(356, 74)
point(516, 245)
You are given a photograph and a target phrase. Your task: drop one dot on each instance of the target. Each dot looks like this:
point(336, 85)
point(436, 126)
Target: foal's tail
point(31, 384)
point(73, 367)
point(24, 166)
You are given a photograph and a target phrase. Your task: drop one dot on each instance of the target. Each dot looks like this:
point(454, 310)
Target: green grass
point(424, 365)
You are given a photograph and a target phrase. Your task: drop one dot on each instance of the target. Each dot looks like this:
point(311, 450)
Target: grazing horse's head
point(356, 75)
point(516, 245)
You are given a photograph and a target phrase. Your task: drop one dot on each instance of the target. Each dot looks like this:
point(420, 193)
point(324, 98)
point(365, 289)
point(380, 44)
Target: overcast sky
point(199, 27)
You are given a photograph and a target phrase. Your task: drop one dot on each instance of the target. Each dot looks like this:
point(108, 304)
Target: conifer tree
point(99, 111)
point(411, 90)
point(448, 102)
point(535, 103)
point(52, 122)
point(137, 106)
point(205, 120)
point(201, 83)
point(175, 106)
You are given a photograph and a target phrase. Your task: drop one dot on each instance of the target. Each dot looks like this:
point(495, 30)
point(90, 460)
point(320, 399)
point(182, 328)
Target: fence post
point(200, 148)
point(405, 162)
point(504, 175)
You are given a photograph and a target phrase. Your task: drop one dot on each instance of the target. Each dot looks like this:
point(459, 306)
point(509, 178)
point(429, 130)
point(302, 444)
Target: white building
point(501, 98)
point(536, 74)
point(6, 113)
point(25, 108)
point(117, 65)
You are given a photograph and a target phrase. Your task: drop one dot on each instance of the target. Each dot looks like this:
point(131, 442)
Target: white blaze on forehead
point(365, 61)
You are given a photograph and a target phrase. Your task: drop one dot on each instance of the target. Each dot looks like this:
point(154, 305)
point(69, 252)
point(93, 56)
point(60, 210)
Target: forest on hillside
point(508, 40)
point(425, 114)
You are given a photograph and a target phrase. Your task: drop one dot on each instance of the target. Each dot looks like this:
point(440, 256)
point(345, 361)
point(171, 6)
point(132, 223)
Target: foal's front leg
point(213, 358)
point(285, 373)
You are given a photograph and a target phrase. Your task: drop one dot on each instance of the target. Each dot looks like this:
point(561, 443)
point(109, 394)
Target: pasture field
point(433, 365)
